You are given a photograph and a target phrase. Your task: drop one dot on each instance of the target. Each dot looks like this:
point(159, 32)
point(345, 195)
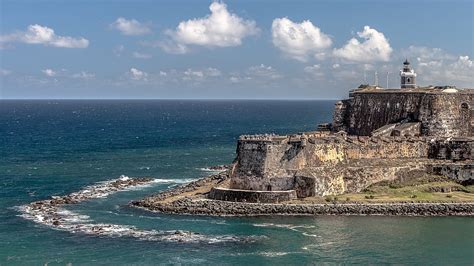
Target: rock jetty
point(51, 212)
point(181, 200)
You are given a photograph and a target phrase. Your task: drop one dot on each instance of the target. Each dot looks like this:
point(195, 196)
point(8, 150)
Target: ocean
point(55, 147)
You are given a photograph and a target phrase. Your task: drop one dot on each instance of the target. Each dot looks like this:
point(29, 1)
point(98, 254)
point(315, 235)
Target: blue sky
point(231, 49)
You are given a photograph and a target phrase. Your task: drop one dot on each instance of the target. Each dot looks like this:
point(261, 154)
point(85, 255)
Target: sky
point(245, 49)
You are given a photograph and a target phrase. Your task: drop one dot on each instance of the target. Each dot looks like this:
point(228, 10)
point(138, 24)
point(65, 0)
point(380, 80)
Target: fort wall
point(440, 114)
point(236, 195)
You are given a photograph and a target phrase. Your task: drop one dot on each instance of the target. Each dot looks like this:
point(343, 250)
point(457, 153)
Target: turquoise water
point(58, 147)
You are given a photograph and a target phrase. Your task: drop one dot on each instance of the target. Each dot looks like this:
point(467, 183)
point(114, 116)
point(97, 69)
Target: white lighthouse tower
point(408, 76)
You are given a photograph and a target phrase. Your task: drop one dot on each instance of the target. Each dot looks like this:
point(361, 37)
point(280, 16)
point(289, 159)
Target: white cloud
point(263, 71)
point(198, 75)
point(299, 40)
point(219, 29)
point(136, 74)
point(130, 27)
point(83, 75)
point(5, 72)
point(312, 68)
point(49, 72)
point(37, 34)
point(213, 72)
point(141, 55)
point(170, 46)
point(375, 47)
point(445, 70)
point(314, 71)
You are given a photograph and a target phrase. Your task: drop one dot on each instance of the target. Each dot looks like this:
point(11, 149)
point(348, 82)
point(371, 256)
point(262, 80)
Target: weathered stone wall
point(461, 173)
point(440, 114)
point(285, 157)
point(352, 177)
point(452, 149)
point(251, 196)
point(272, 165)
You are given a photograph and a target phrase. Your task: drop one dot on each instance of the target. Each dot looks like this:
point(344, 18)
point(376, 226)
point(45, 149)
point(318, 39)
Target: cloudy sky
point(231, 49)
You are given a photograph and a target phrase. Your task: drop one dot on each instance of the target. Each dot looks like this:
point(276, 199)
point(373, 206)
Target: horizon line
point(171, 99)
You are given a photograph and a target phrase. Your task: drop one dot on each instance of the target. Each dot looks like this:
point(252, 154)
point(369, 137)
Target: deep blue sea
point(56, 147)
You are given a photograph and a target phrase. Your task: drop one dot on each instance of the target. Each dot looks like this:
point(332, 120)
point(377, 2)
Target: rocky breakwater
point(192, 199)
point(225, 208)
point(51, 212)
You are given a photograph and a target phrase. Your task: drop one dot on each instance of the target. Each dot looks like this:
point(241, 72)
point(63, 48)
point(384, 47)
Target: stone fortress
point(377, 134)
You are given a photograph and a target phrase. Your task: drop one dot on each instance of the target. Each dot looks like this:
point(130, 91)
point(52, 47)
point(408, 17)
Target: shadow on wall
point(292, 152)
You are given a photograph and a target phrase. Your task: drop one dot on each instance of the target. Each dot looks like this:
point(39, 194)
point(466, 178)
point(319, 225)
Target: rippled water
point(58, 147)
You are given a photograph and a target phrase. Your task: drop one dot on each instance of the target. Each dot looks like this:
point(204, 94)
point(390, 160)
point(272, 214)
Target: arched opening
point(269, 187)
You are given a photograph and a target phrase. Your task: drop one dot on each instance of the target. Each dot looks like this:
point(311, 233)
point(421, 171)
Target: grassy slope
point(418, 189)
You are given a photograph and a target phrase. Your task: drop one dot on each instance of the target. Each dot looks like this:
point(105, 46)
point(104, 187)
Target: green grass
point(424, 188)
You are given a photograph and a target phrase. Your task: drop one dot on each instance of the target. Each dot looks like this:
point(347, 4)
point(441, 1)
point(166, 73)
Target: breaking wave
point(296, 228)
point(52, 213)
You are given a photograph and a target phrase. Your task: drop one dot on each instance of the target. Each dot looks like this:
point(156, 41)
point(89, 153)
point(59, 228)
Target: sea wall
point(236, 195)
point(228, 208)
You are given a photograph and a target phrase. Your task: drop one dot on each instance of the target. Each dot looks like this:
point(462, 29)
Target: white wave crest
point(51, 213)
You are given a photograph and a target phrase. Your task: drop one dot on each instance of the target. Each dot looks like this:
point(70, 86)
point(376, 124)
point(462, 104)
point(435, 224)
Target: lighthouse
point(407, 76)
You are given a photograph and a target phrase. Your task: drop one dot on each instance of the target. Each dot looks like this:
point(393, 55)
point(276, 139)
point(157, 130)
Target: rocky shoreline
point(51, 213)
point(170, 202)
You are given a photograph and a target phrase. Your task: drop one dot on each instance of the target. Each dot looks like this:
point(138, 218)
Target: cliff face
point(440, 114)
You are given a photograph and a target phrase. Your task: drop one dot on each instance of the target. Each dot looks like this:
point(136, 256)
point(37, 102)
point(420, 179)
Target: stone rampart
point(267, 159)
point(456, 149)
point(237, 195)
point(441, 114)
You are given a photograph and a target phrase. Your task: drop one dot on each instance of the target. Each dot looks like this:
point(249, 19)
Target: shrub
point(449, 196)
point(348, 199)
point(413, 196)
point(369, 197)
point(328, 198)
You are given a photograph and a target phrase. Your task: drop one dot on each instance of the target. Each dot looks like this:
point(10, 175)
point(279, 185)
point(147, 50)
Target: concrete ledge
point(239, 195)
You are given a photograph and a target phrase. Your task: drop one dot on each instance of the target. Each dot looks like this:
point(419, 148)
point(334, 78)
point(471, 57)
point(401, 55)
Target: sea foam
point(53, 214)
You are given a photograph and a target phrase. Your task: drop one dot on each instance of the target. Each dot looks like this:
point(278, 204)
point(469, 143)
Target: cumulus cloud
point(130, 27)
point(141, 55)
point(37, 34)
point(299, 40)
point(136, 74)
point(49, 72)
point(219, 29)
point(437, 67)
point(374, 47)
